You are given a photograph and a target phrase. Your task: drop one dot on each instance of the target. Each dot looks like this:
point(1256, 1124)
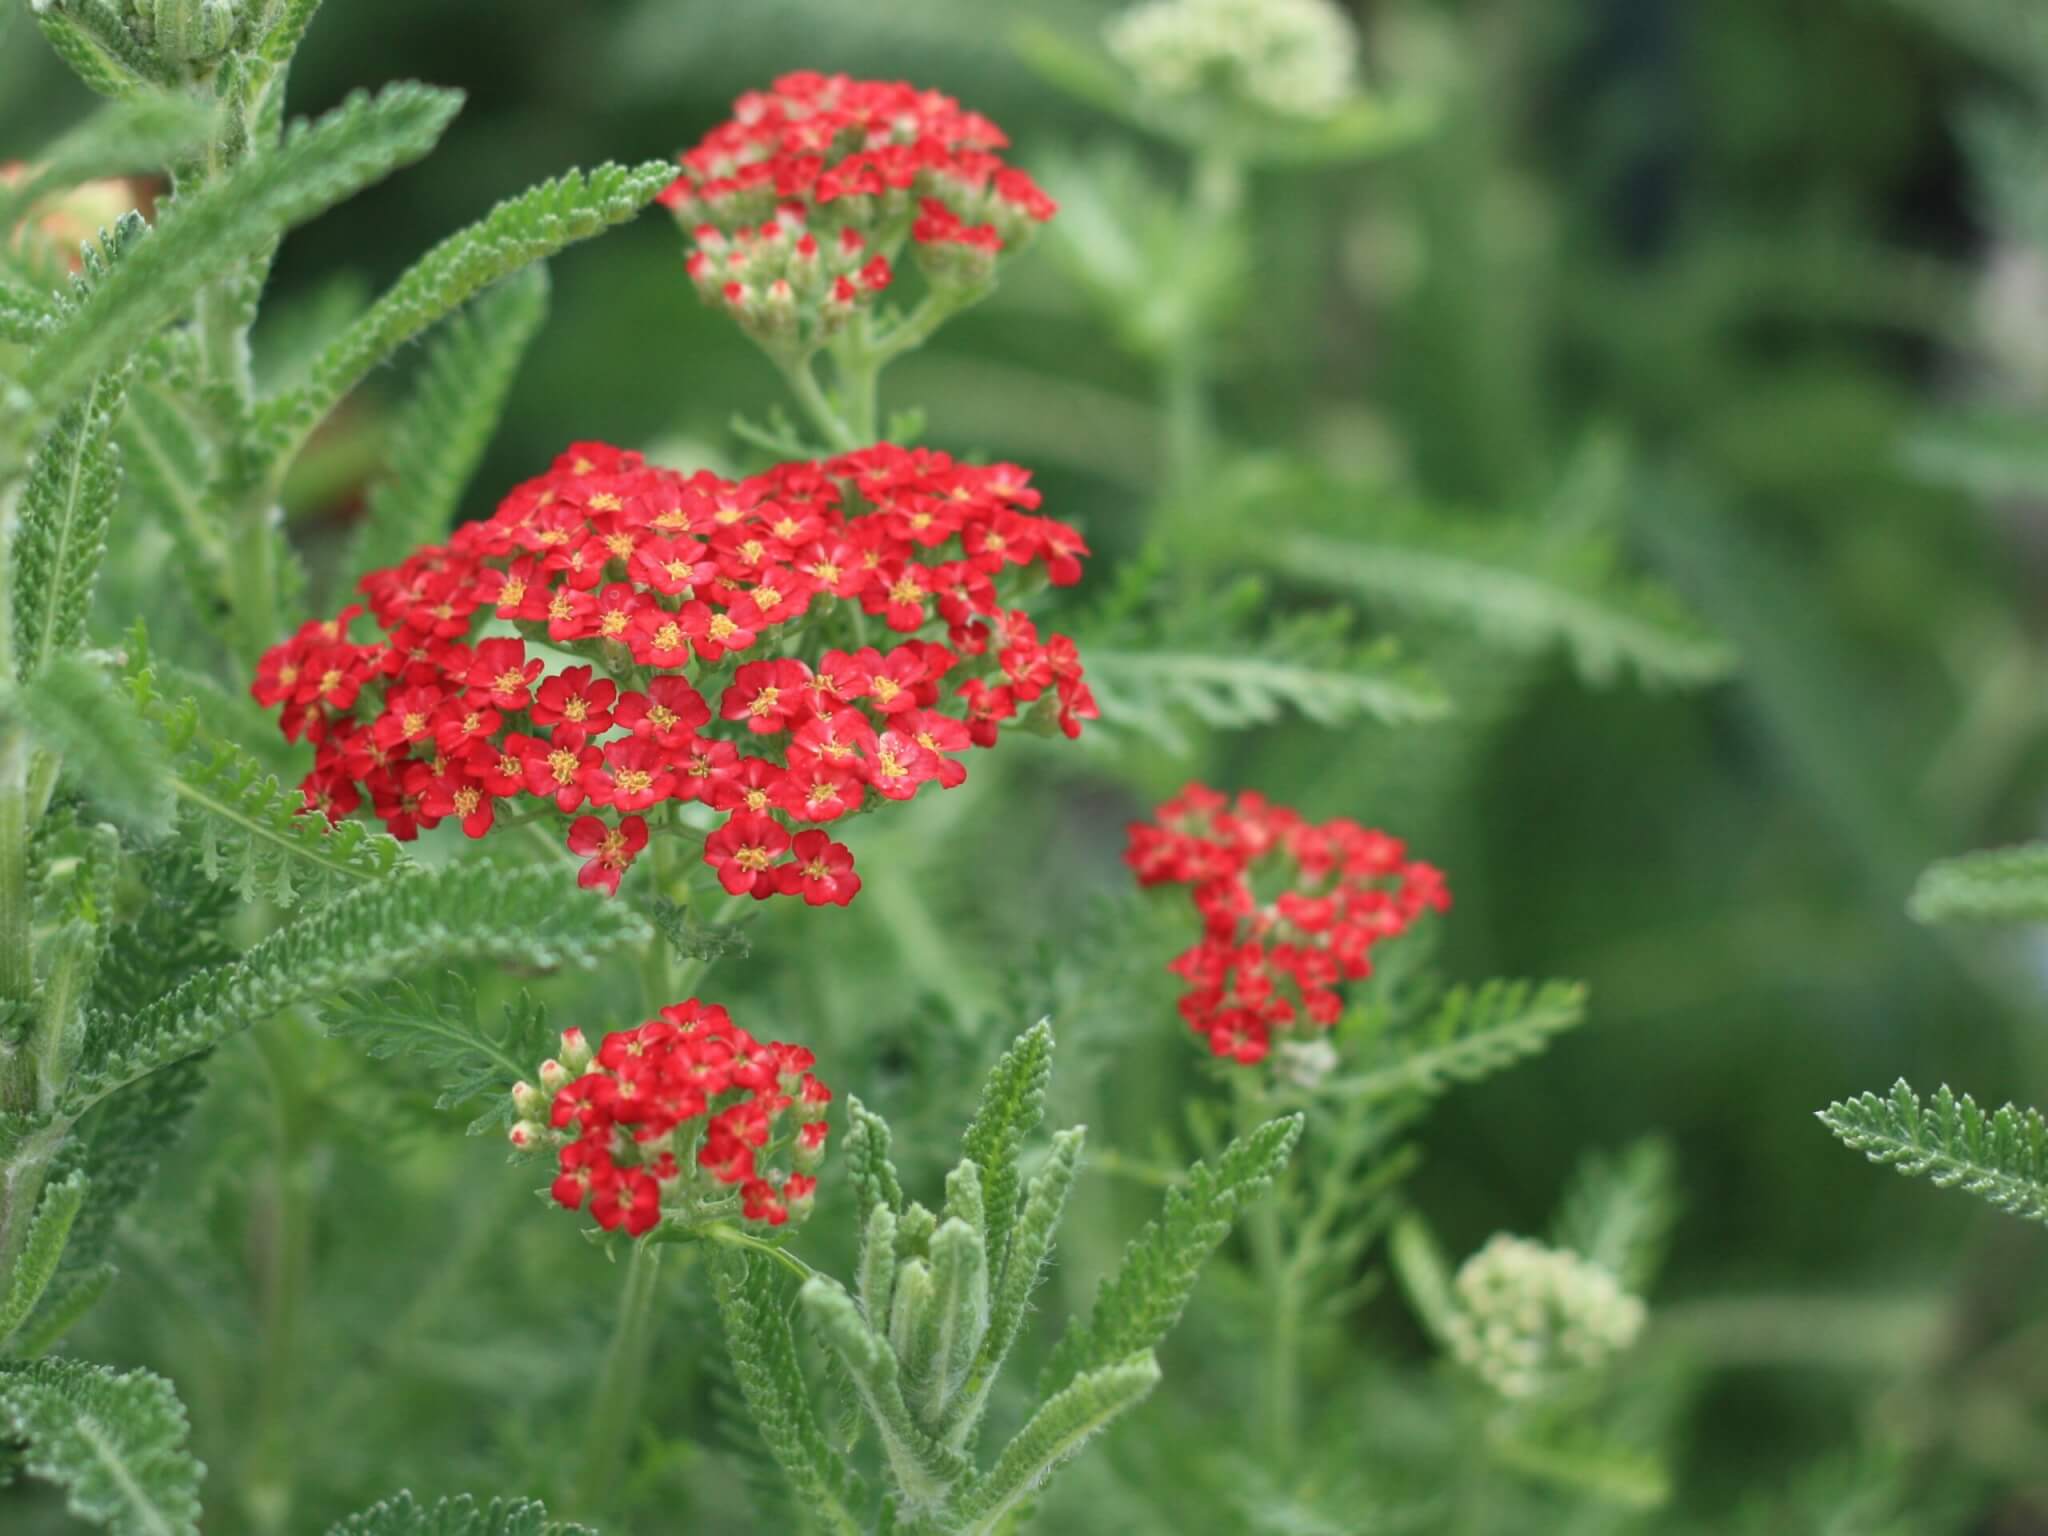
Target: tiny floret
point(1289, 58)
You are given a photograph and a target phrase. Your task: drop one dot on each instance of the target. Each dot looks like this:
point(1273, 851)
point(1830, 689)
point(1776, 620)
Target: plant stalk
point(621, 1384)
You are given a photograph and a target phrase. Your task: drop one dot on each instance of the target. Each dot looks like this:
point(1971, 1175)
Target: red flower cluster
point(803, 199)
point(1290, 910)
point(662, 584)
point(669, 1116)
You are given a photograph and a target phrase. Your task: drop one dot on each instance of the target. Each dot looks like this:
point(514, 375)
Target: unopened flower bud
point(575, 1051)
point(554, 1077)
point(526, 1134)
point(529, 1102)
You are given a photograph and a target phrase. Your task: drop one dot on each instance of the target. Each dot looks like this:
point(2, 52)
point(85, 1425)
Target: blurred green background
point(1738, 243)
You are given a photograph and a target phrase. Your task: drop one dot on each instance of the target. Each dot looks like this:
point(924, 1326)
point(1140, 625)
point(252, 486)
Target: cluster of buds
point(686, 1118)
point(1291, 910)
point(620, 605)
point(800, 204)
point(1287, 58)
point(1530, 1318)
point(190, 37)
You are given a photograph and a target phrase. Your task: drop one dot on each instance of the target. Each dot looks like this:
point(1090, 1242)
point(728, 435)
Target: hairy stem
point(803, 383)
point(615, 1399)
point(16, 970)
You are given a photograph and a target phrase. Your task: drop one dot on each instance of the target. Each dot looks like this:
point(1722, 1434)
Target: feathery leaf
point(459, 912)
point(2001, 1156)
point(522, 230)
point(36, 1265)
point(1012, 1104)
point(1526, 591)
point(403, 1515)
point(1619, 1210)
point(445, 427)
point(1066, 1422)
point(1139, 1304)
point(62, 532)
point(77, 713)
point(2001, 885)
point(1472, 1033)
point(198, 237)
point(116, 1444)
point(764, 1361)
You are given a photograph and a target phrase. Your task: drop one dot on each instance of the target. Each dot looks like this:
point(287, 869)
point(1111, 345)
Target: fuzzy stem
point(615, 1399)
point(16, 967)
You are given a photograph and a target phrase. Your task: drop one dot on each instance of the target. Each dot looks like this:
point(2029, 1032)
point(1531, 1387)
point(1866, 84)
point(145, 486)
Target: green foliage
point(868, 1166)
point(440, 1025)
point(403, 1515)
point(924, 1470)
point(1528, 592)
point(1066, 1422)
point(90, 36)
point(445, 427)
point(1139, 1304)
point(76, 713)
point(245, 826)
point(475, 911)
point(522, 230)
point(120, 138)
point(62, 533)
point(1023, 1264)
point(2001, 1157)
point(1619, 1211)
point(1472, 1033)
point(2003, 885)
point(1012, 1104)
point(764, 1361)
point(41, 1253)
point(232, 220)
point(114, 1443)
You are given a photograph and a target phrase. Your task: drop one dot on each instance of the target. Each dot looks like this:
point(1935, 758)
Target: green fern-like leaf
point(515, 233)
point(2003, 885)
point(1526, 591)
point(77, 713)
point(116, 1444)
point(1066, 1422)
point(2001, 1156)
point(463, 912)
point(62, 533)
point(442, 434)
point(440, 1026)
point(246, 827)
point(1012, 1104)
point(36, 1266)
point(1139, 1304)
point(403, 1515)
point(24, 313)
point(316, 166)
point(1472, 1033)
point(770, 1377)
point(868, 1163)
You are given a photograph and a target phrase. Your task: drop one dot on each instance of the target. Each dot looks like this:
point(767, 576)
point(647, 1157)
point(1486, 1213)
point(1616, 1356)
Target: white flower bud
point(1529, 1316)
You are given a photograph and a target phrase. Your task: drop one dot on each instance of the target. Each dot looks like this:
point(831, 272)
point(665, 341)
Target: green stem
point(615, 1400)
point(803, 383)
point(284, 1256)
point(17, 972)
point(1279, 1283)
point(734, 1237)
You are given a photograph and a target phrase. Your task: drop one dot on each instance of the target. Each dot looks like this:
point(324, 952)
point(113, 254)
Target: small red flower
point(610, 851)
point(821, 871)
point(744, 852)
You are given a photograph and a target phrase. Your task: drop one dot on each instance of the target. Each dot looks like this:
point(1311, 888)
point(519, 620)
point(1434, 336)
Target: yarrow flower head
point(1529, 1318)
point(620, 641)
point(1291, 910)
point(800, 204)
point(686, 1118)
point(1290, 58)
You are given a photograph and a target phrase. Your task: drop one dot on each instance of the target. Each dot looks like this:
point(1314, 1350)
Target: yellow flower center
point(574, 709)
point(563, 765)
point(669, 636)
point(764, 701)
